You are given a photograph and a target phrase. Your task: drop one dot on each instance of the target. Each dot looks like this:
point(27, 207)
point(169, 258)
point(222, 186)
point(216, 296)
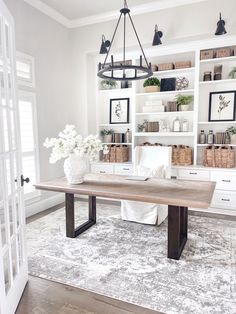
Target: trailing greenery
point(183, 100)
point(231, 130)
point(232, 73)
point(151, 81)
point(105, 132)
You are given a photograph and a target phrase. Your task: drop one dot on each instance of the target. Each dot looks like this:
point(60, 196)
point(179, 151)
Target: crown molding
point(108, 16)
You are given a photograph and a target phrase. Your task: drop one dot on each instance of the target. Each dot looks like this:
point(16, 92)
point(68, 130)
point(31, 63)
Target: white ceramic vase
point(75, 168)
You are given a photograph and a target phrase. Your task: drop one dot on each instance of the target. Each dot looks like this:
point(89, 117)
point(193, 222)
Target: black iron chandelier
point(124, 71)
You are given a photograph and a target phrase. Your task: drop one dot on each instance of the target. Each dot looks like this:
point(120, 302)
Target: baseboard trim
point(43, 204)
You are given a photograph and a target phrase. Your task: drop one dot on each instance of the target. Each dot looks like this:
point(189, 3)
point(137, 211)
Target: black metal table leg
point(177, 230)
point(71, 231)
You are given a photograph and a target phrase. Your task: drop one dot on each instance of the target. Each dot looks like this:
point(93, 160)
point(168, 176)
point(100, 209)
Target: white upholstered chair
point(150, 161)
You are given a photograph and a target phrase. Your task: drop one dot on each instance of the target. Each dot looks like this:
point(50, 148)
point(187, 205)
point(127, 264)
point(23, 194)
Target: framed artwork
point(119, 111)
point(222, 106)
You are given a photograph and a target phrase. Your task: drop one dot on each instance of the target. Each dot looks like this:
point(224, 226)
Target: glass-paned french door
point(13, 263)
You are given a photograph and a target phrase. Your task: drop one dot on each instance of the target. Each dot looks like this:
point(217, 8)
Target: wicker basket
point(122, 154)
point(223, 52)
point(182, 155)
point(112, 153)
point(219, 157)
point(182, 64)
point(165, 66)
point(207, 54)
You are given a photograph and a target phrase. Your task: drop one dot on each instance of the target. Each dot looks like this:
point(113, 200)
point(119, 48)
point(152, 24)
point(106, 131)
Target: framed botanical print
point(119, 111)
point(222, 106)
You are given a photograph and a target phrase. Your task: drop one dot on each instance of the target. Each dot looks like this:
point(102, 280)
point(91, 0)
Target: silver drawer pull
point(225, 199)
point(193, 173)
point(125, 168)
point(102, 171)
point(226, 180)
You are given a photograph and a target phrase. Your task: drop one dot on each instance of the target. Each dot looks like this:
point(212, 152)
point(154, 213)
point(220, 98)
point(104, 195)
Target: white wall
point(49, 43)
point(176, 23)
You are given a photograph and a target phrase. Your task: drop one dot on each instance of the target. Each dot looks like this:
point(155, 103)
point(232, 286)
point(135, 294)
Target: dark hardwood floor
point(47, 297)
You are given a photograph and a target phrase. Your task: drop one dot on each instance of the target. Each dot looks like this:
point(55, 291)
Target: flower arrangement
point(70, 142)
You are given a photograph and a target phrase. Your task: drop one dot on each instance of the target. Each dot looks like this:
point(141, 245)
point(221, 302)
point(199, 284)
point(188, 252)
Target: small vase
point(183, 107)
point(75, 168)
point(233, 139)
point(107, 138)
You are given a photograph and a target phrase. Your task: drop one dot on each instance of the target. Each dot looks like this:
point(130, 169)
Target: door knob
point(24, 180)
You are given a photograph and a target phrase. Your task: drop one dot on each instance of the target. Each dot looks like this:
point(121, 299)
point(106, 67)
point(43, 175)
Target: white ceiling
point(74, 9)
point(76, 13)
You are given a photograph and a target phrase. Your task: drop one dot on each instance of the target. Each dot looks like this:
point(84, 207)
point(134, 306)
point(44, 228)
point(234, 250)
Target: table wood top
point(175, 192)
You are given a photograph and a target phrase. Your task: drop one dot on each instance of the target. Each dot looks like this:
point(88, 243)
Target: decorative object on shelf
point(217, 72)
point(207, 76)
point(104, 45)
point(118, 138)
point(157, 37)
point(176, 125)
point(171, 106)
point(218, 157)
point(128, 136)
point(142, 127)
point(202, 137)
point(222, 106)
point(76, 151)
point(124, 84)
point(165, 66)
point(182, 83)
point(182, 155)
point(109, 71)
point(220, 138)
point(151, 85)
point(154, 68)
point(168, 84)
point(153, 126)
point(220, 30)
point(108, 84)
point(107, 135)
point(185, 126)
point(116, 153)
point(231, 131)
point(207, 54)
point(164, 126)
point(119, 111)
point(210, 137)
point(223, 52)
point(232, 73)
point(182, 64)
point(153, 106)
point(183, 102)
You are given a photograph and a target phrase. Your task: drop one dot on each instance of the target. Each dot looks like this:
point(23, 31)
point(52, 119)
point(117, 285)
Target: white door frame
point(13, 260)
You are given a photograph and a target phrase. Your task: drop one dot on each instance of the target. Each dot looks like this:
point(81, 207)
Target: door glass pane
point(20, 247)
point(2, 220)
point(26, 126)
point(29, 172)
point(13, 129)
point(6, 267)
point(7, 34)
point(17, 210)
point(14, 259)
point(5, 129)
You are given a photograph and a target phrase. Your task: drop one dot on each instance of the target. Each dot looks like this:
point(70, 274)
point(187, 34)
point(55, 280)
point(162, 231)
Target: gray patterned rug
point(127, 261)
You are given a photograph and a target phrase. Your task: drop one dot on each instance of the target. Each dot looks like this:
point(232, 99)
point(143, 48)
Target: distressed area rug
point(127, 261)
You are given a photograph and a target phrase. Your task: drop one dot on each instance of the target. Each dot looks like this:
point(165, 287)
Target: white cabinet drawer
point(194, 174)
point(224, 180)
point(103, 169)
point(225, 200)
point(123, 169)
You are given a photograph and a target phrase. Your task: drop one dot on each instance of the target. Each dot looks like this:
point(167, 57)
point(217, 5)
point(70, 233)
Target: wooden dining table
point(179, 195)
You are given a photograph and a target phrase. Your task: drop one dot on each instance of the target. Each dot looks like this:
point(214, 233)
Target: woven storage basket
point(122, 154)
point(106, 157)
point(182, 155)
point(165, 66)
point(112, 154)
point(209, 156)
point(223, 52)
point(207, 54)
point(224, 157)
point(182, 64)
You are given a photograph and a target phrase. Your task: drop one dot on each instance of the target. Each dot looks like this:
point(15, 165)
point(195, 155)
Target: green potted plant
point(183, 102)
point(232, 73)
point(231, 131)
point(151, 85)
point(108, 84)
point(107, 135)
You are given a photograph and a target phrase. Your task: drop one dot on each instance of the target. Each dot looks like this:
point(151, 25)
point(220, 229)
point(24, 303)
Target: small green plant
point(152, 81)
point(108, 84)
point(105, 132)
point(231, 130)
point(232, 73)
point(142, 126)
point(183, 100)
